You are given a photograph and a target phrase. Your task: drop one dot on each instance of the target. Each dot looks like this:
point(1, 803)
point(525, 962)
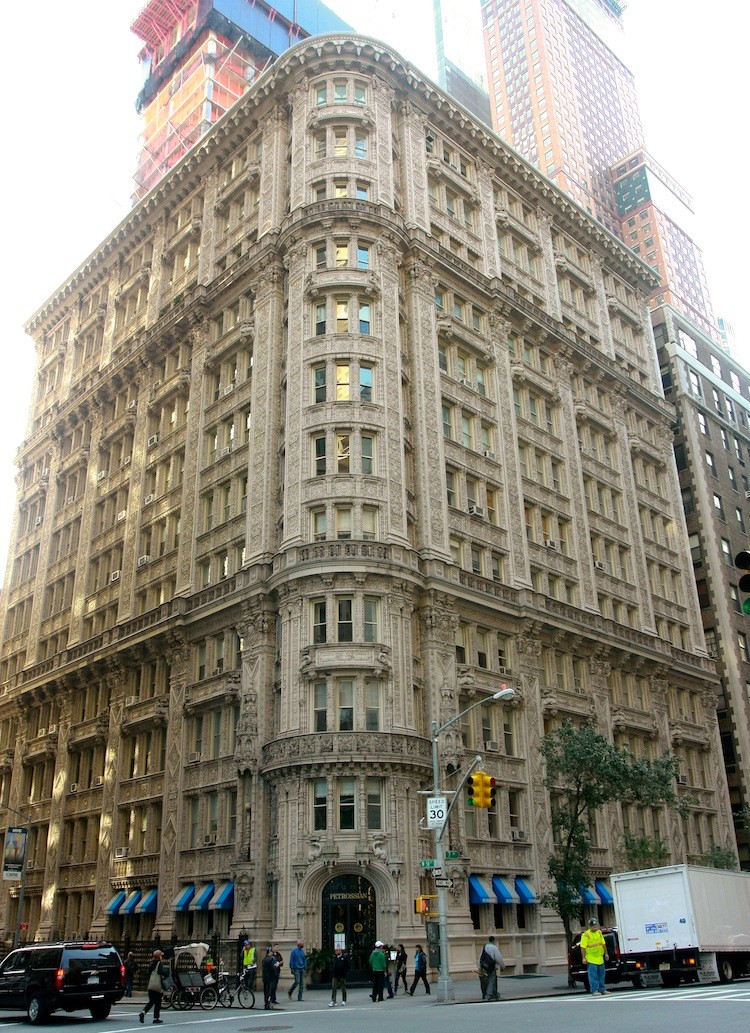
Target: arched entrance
point(348, 920)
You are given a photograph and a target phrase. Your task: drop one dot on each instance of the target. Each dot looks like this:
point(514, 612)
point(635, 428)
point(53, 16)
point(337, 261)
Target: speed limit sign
point(436, 808)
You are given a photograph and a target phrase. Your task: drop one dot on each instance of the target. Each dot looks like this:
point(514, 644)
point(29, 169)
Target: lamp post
point(446, 993)
point(21, 882)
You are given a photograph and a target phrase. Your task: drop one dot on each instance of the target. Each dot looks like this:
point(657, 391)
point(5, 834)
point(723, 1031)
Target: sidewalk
point(510, 988)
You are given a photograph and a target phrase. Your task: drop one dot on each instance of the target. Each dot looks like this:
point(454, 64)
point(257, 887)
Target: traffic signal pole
point(446, 993)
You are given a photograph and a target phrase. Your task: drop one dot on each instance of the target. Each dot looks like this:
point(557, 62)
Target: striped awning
point(129, 904)
point(147, 904)
point(502, 891)
point(202, 897)
point(603, 891)
point(116, 902)
point(223, 898)
point(587, 895)
point(182, 901)
point(525, 891)
point(478, 892)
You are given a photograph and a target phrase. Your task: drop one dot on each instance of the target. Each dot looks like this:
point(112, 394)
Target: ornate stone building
point(354, 418)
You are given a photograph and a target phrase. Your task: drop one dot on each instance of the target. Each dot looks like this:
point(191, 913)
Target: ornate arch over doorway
point(348, 918)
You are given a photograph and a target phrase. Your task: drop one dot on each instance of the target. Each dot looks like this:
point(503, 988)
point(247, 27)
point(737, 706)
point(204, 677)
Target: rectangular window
point(365, 383)
point(345, 706)
point(343, 522)
point(369, 523)
point(345, 623)
point(360, 145)
point(343, 448)
point(372, 705)
point(319, 455)
point(319, 621)
point(342, 382)
point(342, 317)
point(374, 803)
point(339, 143)
point(364, 318)
point(363, 257)
point(320, 805)
point(319, 384)
point(367, 445)
point(346, 803)
point(320, 707)
point(320, 319)
point(319, 524)
point(371, 620)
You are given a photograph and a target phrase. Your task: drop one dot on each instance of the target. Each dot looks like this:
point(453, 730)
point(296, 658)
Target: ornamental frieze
point(367, 747)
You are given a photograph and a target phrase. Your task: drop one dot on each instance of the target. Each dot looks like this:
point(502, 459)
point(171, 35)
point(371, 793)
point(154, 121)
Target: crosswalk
point(739, 992)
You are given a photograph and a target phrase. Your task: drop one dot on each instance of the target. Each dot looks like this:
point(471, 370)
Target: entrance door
point(348, 920)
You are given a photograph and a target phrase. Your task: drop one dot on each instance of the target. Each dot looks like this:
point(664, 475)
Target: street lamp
point(446, 993)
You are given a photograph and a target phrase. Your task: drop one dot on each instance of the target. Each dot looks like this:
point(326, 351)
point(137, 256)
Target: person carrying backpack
point(490, 961)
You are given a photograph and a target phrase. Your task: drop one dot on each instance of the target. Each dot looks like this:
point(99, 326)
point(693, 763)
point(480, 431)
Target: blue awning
point(525, 892)
point(183, 898)
point(503, 891)
point(604, 892)
point(147, 903)
point(223, 898)
point(478, 892)
point(202, 897)
point(587, 895)
point(115, 903)
point(128, 907)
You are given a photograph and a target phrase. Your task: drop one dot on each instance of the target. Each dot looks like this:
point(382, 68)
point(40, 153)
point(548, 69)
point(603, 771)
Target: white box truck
point(683, 923)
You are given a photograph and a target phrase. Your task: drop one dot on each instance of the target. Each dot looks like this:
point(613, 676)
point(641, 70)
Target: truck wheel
point(726, 970)
point(36, 1010)
point(670, 979)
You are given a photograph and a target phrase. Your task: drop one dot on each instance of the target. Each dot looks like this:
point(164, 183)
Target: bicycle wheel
point(246, 997)
point(209, 998)
point(226, 999)
point(180, 999)
point(167, 998)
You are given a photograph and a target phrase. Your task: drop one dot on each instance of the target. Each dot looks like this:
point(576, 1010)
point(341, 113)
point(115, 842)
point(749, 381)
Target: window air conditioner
point(153, 440)
point(74, 787)
point(225, 451)
point(99, 780)
point(41, 732)
point(38, 520)
point(465, 381)
point(143, 560)
point(149, 499)
point(114, 576)
point(130, 701)
point(517, 835)
point(598, 565)
point(70, 500)
point(209, 840)
point(491, 745)
point(193, 758)
point(476, 511)
point(101, 475)
point(488, 453)
point(228, 389)
point(550, 543)
point(51, 729)
point(503, 670)
point(121, 515)
point(121, 851)
point(682, 779)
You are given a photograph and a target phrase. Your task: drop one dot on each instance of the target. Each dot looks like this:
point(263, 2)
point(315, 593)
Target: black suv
point(617, 970)
point(46, 977)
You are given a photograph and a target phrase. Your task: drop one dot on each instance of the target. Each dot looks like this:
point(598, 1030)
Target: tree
point(585, 772)
point(718, 857)
point(637, 852)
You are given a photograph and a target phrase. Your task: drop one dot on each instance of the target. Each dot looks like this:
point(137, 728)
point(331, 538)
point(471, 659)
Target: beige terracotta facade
point(353, 419)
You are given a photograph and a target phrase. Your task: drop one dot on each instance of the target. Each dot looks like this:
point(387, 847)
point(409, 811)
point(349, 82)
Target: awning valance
point(604, 892)
point(202, 897)
point(128, 905)
point(525, 891)
point(478, 892)
point(503, 892)
point(147, 904)
point(116, 902)
point(182, 901)
point(223, 898)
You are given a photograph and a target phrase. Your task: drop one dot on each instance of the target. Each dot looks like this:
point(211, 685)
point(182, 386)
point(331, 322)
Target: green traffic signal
point(473, 788)
point(742, 562)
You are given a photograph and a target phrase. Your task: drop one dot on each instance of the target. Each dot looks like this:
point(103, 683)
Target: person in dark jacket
point(402, 963)
point(277, 977)
point(420, 970)
point(339, 968)
point(157, 972)
point(269, 972)
point(131, 967)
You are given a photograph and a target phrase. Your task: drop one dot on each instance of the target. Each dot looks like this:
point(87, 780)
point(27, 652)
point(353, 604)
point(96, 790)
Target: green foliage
point(319, 958)
point(718, 857)
point(642, 852)
point(585, 771)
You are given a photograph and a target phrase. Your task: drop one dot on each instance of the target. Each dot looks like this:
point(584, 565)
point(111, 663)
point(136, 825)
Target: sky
point(71, 132)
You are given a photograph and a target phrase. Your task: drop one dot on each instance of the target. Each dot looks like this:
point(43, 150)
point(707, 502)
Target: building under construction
point(199, 57)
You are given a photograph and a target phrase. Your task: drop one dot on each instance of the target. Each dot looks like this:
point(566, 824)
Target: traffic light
point(421, 906)
point(489, 791)
point(742, 561)
point(474, 789)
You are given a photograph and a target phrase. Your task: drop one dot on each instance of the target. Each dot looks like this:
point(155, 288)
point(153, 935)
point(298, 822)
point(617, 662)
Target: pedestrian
point(594, 951)
point(131, 967)
point(277, 977)
point(249, 964)
point(420, 970)
point(269, 973)
point(298, 967)
point(377, 967)
point(339, 968)
point(402, 962)
point(157, 972)
point(490, 961)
